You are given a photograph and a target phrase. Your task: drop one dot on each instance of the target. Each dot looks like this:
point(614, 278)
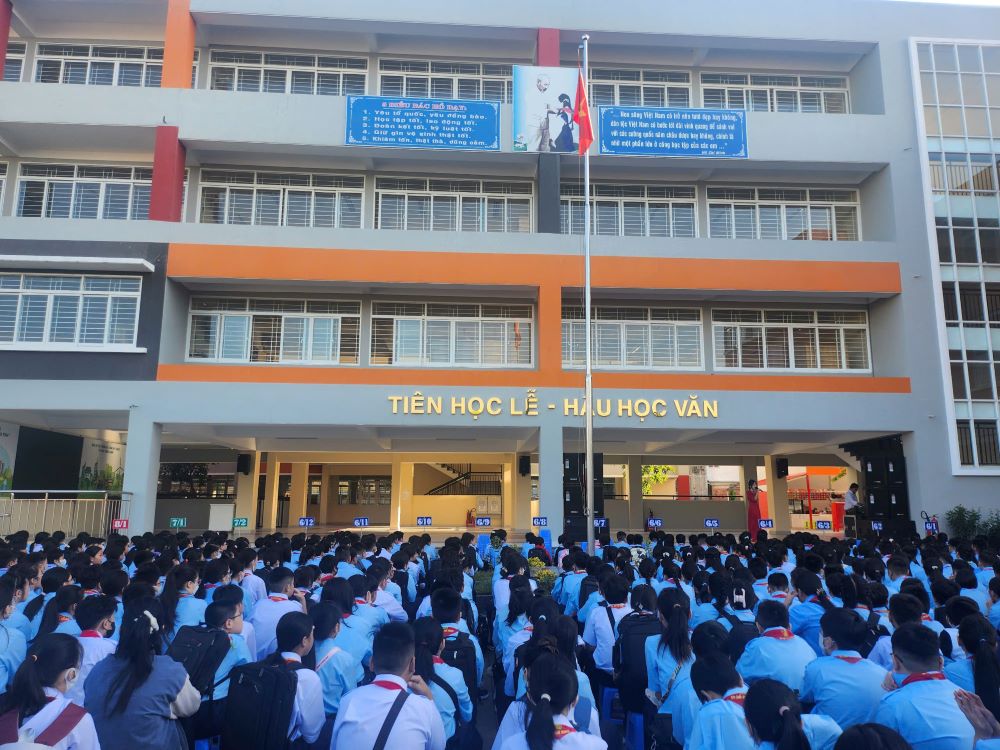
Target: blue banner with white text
point(464, 125)
point(653, 131)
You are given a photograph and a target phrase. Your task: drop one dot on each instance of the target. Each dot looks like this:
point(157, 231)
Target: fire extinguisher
point(470, 517)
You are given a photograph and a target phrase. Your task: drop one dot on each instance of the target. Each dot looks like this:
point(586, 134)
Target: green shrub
point(967, 522)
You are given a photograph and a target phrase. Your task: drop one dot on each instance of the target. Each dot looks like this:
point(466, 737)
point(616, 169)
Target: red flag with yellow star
point(581, 115)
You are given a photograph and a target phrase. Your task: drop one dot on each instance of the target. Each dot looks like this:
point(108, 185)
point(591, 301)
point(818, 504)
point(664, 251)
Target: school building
point(215, 304)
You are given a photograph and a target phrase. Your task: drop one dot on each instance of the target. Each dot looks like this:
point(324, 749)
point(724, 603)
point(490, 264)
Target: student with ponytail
point(980, 672)
point(565, 635)
point(180, 607)
point(295, 639)
point(13, 644)
point(58, 614)
point(668, 665)
point(541, 619)
point(804, 618)
point(36, 710)
point(775, 719)
point(451, 695)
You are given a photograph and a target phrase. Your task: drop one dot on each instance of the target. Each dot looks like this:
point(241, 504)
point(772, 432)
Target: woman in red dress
point(753, 509)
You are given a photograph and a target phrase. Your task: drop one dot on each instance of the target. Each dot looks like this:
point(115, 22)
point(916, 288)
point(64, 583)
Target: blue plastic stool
point(608, 695)
point(634, 731)
point(482, 544)
point(546, 536)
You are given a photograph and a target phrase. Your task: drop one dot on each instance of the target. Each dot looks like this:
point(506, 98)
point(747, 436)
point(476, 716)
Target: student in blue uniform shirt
point(903, 609)
point(451, 695)
point(775, 719)
point(601, 630)
point(13, 644)
point(570, 594)
point(356, 632)
point(923, 708)
point(842, 684)
point(807, 605)
point(21, 577)
point(363, 602)
point(978, 639)
point(516, 618)
point(446, 608)
point(338, 670)
point(720, 723)
point(669, 657)
point(58, 615)
point(180, 606)
point(346, 562)
point(778, 653)
point(229, 619)
point(966, 579)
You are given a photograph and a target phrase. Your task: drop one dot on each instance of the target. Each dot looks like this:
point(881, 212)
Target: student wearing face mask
point(95, 616)
point(36, 709)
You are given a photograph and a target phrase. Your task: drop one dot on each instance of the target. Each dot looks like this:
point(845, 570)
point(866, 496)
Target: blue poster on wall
point(693, 133)
point(465, 125)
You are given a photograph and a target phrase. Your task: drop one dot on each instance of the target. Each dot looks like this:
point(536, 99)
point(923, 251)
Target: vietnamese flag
point(581, 115)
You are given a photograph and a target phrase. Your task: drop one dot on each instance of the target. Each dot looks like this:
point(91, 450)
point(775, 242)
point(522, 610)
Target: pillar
point(550, 329)
point(550, 476)
point(325, 493)
point(142, 469)
point(547, 51)
point(523, 510)
point(166, 197)
point(777, 497)
point(549, 173)
point(178, 45)
point(636, 514)
point(507, 488)
point(401, 501)
point(299, 490)
point(6, 14)
point(246, 494)
point(271, 481)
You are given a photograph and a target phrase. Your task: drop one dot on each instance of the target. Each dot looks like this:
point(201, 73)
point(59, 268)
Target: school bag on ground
point(460, 652)
point(628, 657)
point(200, 650)
point(259, 707)
point(56, 732)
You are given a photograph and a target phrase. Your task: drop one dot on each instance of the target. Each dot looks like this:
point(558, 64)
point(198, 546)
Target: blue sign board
point(931, 526)
point(424, 521)
point(459, 124)
point(711, 523)
point(653, 131)
point(655, 523)
point(484, 521)
point(540, 521)
point(307, 521)
point(877, 526)
point(600, 523)
point(766, 523)
point(824, 525)
point(361, 521)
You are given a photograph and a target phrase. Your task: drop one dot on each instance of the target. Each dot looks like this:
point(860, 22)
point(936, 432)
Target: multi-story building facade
point(194, 261)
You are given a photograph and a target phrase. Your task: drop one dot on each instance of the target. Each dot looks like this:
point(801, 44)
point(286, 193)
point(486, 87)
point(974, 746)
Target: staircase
point(471, 483)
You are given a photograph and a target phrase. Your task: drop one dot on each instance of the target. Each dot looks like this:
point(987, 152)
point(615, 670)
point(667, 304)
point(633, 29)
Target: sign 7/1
point(178, 522)
point(484, 521)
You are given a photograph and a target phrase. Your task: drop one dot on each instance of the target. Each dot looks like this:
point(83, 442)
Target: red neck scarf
point(923, 677)
point(561, 731)
point(90, 634)
point(737, 698)
point(849, 659)
point(387, 684)
point(779, 634)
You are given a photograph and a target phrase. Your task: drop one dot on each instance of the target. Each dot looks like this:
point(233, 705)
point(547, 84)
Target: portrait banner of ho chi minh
point(543, 109)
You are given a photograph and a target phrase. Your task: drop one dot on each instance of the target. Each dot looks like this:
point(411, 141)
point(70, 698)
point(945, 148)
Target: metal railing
point(687, 498)
point(71, 511)
point(471, 483)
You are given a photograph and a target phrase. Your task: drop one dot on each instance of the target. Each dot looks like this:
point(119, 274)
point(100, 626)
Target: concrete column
point(299, 490)
point(246, 494)
point(6, 13)
point(633, 479)
point(325, 494)
point(142, 469)
point(166, 195)
point(270, 519)
point(507, 487)
point(523, 511)
point(550, 476)
point(777, 497)
point(401, 503)
point(178, 46)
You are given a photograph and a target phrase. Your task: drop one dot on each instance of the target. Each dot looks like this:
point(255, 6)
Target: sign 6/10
point(178, 522)
point(540, 521)
point(424, 521)
point(766, 523)
point(824, 525)
point(484, 521)
point(711, 523)
point(655, 523)
point(240, 523)
point(360, 521)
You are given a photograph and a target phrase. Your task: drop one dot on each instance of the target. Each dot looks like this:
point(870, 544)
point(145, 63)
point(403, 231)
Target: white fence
point(72, 511)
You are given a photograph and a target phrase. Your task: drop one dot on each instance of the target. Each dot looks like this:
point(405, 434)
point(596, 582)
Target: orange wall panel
point(178, 45)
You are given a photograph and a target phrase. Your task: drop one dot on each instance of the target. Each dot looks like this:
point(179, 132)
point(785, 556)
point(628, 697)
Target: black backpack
point(260, 706)
point(874, 631)
point(460, 653)
point(629, 657)
point(201, 650)
point(467, 736)
point(587, 587)
point(541, 553)
point(740, 635)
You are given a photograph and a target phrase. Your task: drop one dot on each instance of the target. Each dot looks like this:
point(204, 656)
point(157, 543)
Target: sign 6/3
point(824, 525)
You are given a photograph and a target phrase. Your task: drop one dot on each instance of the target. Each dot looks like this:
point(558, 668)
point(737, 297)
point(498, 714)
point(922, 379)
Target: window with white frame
point(99, 65)
point(3, 181)
point(14, 61)
point(283, 331)
point(630, 210)
point(637, 87)
point(446, 334)
point(775, 92)
point(286, 199)
point(439, 79)
point(452, 205)
point(68, 311)
point(639, 338)
point(791, 340)
point(287, 73)
point(783, 214)
point(67, 191)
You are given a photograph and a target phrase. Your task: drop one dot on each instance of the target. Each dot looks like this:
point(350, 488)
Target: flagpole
point(588, 378)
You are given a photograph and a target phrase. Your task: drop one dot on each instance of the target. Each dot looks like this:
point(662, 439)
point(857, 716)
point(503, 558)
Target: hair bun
point(545, 697)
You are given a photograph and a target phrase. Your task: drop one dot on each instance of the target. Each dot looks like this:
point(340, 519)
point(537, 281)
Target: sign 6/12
point(824, 525)
point(424, 521)
point(240, 523)
point(359, 521)
point(484, 521)
point(711, 523)
point(178, 522)
point(539, 521)
point(877, 526)
point(600, 523)
point(766, 523)
point(655, 523)
point(307, 521)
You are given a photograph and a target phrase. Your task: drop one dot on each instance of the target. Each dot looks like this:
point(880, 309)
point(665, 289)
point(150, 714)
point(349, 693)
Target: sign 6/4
point(540, 521)
point(424, 521)
point(711, 523)
point(484, 521)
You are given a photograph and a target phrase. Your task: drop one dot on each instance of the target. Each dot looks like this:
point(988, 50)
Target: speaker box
point(244, 462)
point(781, 468)
point(575, 468)
point(575, 501)
point(524, 465)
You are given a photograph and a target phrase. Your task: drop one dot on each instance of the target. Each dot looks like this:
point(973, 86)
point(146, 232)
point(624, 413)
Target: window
point(452, 205)
point(3, 181)
point(771, 92)
point(791, 339)
point(282, 331)
point(634, 88)
point(364, 491)
point(68, 311)
point(66, 191)
point(647, 338)
point(783, 214)
point(417, 334)
point(99, 65)
point(287, 73)
point(287, 199)
point(436, 79)
point(14, 61)
point(630, 210)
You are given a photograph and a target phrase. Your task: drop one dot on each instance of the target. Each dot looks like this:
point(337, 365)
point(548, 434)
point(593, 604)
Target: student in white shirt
point(601, 630)
point(96, 617)
point(364, 712)
point(380, 569)
point(294, 640)
point(48, 717)
point(282, 598)
point(251, 582)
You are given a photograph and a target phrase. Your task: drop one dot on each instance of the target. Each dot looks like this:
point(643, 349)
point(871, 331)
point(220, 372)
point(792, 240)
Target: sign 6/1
point(712, 523)
point(931, 526)
point(824, 525)
point(484, 521)
point(655, 523)
point(178, 522)
point(240, 523)
point(600, 523)
point(766, 523)
point(119, 524)
point(540, 521)
point(359, 521)
point(424, 521)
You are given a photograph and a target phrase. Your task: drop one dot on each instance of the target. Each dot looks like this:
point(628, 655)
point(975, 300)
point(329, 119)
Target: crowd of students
point(345, 641)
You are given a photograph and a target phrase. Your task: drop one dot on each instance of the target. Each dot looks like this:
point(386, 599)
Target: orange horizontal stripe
point(401, 267)
point(193, 372)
